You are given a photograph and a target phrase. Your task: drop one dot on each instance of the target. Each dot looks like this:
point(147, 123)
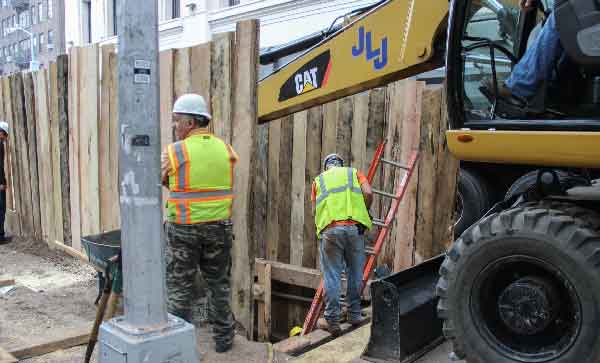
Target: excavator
point(521, 284)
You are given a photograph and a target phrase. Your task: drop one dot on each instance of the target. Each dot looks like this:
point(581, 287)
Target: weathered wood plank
point(114, 143)
point(18, 112)
point(344, 129)
point(52, 100)
point(329, 139)
point(44, 146)
point(182, 72)
point(244, 142)
point(285, 185)
point(314, 129)
point(31, 142)
point(298, 188)
point(272, 238)
point(77, 337)
point(200, 71)
point(264, 306)
point(88, 138)
point(404, 235)
point(221, 70)
point(74, 137)
point(106, 187)
point(260, 190)
point(360, 123)
point(14, 217)
point(292, 274)
point(62, 67)
point(375, 135)
point(166, 105)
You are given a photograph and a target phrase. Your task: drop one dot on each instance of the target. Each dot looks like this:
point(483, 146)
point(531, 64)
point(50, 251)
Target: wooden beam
point(298, 184)
point(260, 190)
point(114, 142)
point(9, 282)
point(221, 96)
point(6, 357)
point(293, 275)
point(244, 142)
point(264, 305)
point(314, 127)
point(77, 337)
point(285, 186)
point(62, 68)
point(182, 72)
point(74, 157)
point(13, 215)
point(200, 71)
point(55, 150)
point(272, 233)
point(107, 188)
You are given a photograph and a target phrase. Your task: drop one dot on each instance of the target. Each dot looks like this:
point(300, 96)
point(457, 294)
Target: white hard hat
point(191, 104)
point(4, 126)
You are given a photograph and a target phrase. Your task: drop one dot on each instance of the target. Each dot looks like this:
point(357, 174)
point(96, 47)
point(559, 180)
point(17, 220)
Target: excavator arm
point(395, 40)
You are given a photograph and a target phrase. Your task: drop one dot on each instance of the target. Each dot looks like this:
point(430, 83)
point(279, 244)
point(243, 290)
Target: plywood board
point(221, 70)
point(31, 142)
point(88, 140)
point(62, 69)
point(56, 153)
point(166, 105)
point(74, 123)
point(244, 141)
point(314, 128)
point(45, 157)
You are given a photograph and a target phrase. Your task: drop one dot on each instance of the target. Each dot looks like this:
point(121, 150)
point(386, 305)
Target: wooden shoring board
point(221, 96)
point(360, 123)
point(264, 305)
point(375, 135)
point(13, 215)
point(260, 190)
point(272, 238)
point(404, 234)
point(344, 129)
point(167, 98)
point(57, 201)
point(298, 165)
point(88, 140)
point(200, 71)
point(244, 142)
point(446, 182)
point(18, 108)
point(285, 186)
point(314, 127)
point(428, 231)
point(44, 145)
point(329, 139)
point(31, 140)
point(292, 274)
point(114, 143)
point(62, 70)
point(74, 157)
point(182, 72)
point(77, 337)
point(106, 187)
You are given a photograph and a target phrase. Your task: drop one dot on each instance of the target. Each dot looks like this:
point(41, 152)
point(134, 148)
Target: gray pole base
point(172, 343)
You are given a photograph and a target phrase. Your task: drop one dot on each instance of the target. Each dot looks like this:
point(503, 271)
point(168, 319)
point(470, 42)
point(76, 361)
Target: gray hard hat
point(191, 104)
point(4, 126)
point(333, 159)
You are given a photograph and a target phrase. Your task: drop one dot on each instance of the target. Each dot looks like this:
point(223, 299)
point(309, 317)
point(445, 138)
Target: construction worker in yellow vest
point(198, 170)
point(342, 197)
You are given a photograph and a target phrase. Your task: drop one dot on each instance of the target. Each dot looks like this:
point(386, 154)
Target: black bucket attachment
point(405, 325)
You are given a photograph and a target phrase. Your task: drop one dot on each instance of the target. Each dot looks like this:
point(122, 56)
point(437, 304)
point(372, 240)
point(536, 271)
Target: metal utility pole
point(145, 333)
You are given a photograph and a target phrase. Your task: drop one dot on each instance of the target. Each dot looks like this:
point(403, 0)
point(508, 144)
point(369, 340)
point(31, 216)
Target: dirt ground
point(54, 295)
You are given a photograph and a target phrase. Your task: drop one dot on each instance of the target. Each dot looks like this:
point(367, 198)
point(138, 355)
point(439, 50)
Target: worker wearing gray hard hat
point(3, 137)
point(198, 170)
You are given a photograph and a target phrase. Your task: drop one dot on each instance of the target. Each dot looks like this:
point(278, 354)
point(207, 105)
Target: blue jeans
point(538, 62)
point(339, 245)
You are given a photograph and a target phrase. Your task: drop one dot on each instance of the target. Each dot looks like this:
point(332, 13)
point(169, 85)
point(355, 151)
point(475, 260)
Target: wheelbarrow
point(104, 252)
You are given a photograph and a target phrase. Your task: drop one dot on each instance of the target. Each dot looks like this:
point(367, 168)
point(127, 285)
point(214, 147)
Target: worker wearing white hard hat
point(4, 129)
point(198, 170)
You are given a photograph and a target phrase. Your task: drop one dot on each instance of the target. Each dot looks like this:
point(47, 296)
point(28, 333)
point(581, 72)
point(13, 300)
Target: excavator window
point(496, 35)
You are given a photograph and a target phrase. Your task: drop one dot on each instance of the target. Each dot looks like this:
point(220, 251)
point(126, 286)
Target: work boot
point(333, 329)
point(222, 347)
point(355, 321)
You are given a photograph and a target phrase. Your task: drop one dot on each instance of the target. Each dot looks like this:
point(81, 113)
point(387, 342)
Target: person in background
point(198, 170)
point(3, 139)
point(342, 197)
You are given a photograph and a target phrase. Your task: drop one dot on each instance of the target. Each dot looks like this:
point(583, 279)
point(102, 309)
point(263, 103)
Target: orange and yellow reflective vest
point(201, 185)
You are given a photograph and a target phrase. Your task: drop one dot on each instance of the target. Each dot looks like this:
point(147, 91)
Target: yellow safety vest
point(201, 187)
point(339, 198)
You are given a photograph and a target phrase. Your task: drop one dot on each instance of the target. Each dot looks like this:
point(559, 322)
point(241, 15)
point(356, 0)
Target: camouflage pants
point(207, 247)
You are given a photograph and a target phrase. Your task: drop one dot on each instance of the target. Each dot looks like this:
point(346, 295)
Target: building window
point(176, 8)
point(234, 2)
point(40, 13)
point(33, 15)
point(50, 38)
point(42, 42)
point(115, 17)
point(35, 44)
point(14, 21)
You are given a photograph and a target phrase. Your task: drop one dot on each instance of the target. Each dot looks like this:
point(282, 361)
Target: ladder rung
point(379, 222)
point(393, 163)
point(385, 194)
point(369, 250)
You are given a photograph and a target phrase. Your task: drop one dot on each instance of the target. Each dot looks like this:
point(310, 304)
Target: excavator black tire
point(551, 248)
